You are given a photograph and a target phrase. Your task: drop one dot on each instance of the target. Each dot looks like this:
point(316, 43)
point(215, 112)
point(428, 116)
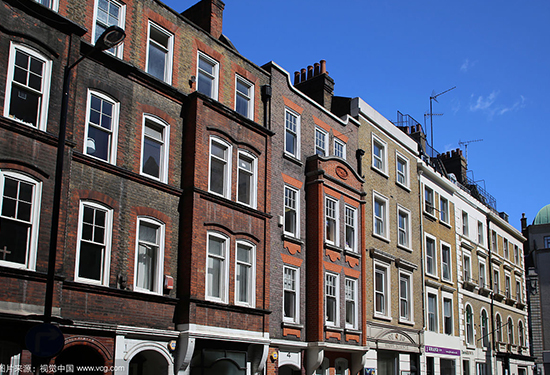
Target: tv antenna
point(434, 97)
point(465, 144)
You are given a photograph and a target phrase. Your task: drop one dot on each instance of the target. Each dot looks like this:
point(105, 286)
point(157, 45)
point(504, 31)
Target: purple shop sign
point(435, 349)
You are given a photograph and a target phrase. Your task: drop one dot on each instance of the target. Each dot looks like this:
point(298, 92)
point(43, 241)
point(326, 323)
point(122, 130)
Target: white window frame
point(332, 291)
point(251, 282)
point(332, 213)
point(507, 285)
point(382, 269)
point(383, 218)
point(519, 292)
point(506, 248)
point(484, 328)
point(427, 238)
point(117, 50)
point(444, 214)
point(469, 329)
point(252, 174)
point(32, 242)
point(432, 293)
point(498, 328)
point(351, 221)
point(339, 147)
point(224, 268)
point(516, 254)
point(51, 4)
point(106, 256)
point(159, 272)
point(168, 50)
point(447, 297)
point(321, 136)
point(113, 133)
point(351, 294)
point(294, 133)
point(213, 77)
point(467, 269)
point(465, 224)
point(296, 209)
point(494, 242)
point(482, 276)
point(407, 299)
point(248, 97)
point(296, 291)
point(480, 233)
point(496, 280)
point(226, 188)
point(44, 93)
point(164, 129)
point(521, 333)
point(429, 207)
point(402, 175)
point(379, 162)
point(405, 231)
point(449, 264)
point(510, 330)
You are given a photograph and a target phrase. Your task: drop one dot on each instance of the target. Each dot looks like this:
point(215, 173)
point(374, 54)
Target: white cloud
point(484, 103)
point(467, 65)
point(487, 105)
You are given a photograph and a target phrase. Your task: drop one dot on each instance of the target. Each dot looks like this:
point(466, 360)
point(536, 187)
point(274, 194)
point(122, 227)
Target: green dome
point(543, 217)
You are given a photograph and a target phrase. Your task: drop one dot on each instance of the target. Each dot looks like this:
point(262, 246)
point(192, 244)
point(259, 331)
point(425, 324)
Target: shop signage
point(438, 350)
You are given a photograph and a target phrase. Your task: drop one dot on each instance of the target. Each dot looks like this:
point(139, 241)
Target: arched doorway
point(86, 358)
point(148, 362)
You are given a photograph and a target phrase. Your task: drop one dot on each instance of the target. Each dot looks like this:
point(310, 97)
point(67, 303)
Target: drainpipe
point(490, 268)
point(420, 173)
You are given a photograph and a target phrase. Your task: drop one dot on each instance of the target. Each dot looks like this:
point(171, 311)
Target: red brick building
point(162, 251)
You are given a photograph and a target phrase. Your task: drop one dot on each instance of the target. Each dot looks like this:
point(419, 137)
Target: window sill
point(445, 224)
point(404, 187)
point(289, 238)
point(408, 249)
point(352, 253)
point(430, 216)
point(406, 322)
point(292, 325)
point(293, 159)
point(379, 171)
point(329, 327)
point(353, 331)
point(333, 247)
point(381, 237)
point(382, 317)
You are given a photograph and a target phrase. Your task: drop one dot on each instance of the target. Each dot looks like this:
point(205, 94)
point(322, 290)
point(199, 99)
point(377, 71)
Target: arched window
point(510, 331)
point(498, 328)
point(19, 218)
point(484, 328)
point(149, 264)
point(521, 339)
point(469, 325)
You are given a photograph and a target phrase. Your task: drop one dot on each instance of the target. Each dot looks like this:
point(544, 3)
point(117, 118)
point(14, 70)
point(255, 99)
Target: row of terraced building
point(220, 217)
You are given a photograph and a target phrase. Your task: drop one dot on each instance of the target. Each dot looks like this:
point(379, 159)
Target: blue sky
point(395, 54)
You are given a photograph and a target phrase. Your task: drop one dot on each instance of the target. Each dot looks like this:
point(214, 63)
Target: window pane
point(91, 261)
point(217, 172)
point(151, 157)
point(24, 105)
point(14, 240)
point(157, 61)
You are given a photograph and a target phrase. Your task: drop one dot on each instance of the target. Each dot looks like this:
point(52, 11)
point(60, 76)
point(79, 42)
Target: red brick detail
point(352, 273)
point(151, 212)
point(332, 267)
point(321, 124)
point(352, 261)
point(340, 136)
point(292, 247)
point(335, 335)
point(292, 331)
point(352, 202)
point(291, 105)
point(292, 181)
point(334, 193)
point(98, 197)
point(333, 255)
point(350, 337)
point(288, 259)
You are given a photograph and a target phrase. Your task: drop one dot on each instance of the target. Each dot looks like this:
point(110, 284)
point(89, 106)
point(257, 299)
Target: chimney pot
point(303, 78)
point(309, 72)
point(323, 66)
point(317, 68)
point(296, 78)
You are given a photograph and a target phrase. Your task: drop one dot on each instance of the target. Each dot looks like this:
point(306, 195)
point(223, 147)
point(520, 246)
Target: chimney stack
point(455, 163)
point(208, 15)
point(316, 83)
